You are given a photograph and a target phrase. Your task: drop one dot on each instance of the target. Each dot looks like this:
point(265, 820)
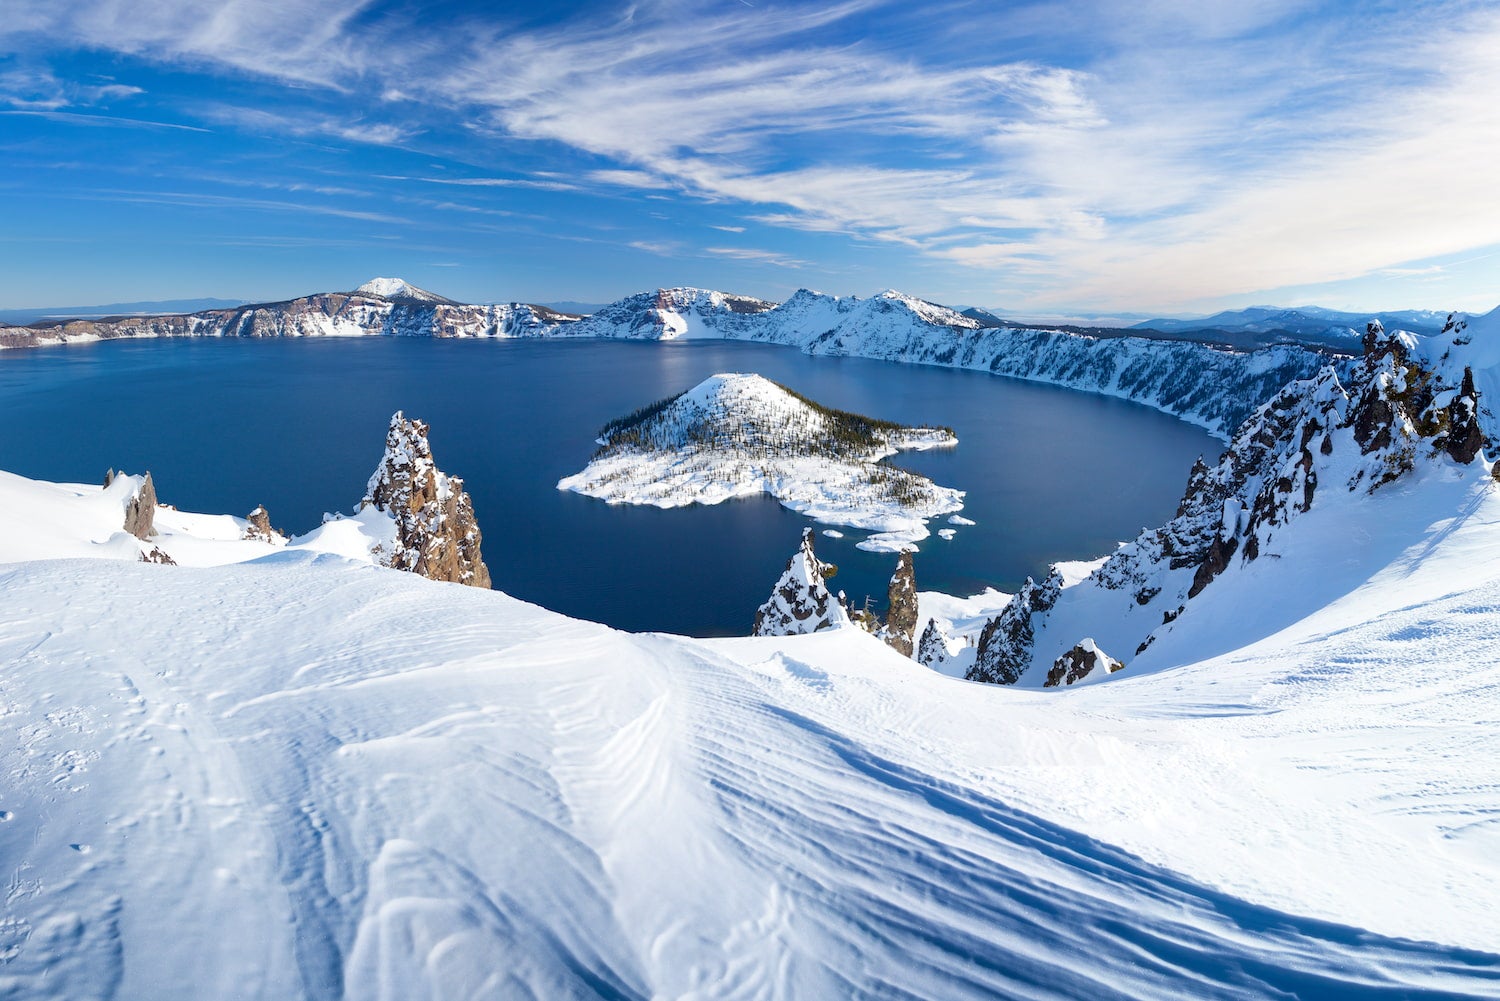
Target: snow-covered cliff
point(1211, 386)
point(739, 435)
point(381, 307)
point(1326, 464)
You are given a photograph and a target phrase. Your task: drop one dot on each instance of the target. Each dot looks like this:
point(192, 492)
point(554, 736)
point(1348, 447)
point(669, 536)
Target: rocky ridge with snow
point(435, 533)
point(740, 435)
point(1320, 441)
point(1211, 386)
point(406, 311)
point(800, 601)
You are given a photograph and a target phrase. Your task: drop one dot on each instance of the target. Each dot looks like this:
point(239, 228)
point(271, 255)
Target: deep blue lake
point(299, 425)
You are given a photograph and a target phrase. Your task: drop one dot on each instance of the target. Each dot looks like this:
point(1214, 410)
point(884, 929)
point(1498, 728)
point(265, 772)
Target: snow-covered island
point(738, 435)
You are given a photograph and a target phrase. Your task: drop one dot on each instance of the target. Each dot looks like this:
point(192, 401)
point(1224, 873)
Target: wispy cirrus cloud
point(1084, 154)
point(776, 258)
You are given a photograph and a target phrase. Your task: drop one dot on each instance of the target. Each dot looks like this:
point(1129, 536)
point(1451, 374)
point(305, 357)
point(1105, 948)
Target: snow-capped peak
point(397, 288)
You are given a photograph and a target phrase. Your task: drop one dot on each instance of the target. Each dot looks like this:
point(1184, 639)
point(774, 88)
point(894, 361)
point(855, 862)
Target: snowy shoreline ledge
point(739, 435)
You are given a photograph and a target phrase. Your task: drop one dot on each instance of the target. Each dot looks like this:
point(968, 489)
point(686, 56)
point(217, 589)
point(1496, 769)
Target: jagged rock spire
point(801, 601)
point(1005, 642)
point(932, 650)
point(901, 615)
point(436, 534)
point(1465, 438)
point(140, 510)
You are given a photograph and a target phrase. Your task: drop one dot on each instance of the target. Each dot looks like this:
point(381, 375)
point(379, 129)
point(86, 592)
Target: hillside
point(379, 785)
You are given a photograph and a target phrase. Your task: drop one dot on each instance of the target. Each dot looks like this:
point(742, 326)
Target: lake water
point(299, 425)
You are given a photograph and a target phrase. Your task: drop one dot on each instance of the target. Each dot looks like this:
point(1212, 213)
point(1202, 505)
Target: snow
point(740, 435)
point(396, 288)
point(380, 786)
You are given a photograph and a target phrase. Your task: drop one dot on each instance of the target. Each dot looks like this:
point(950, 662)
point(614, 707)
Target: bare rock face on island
point(435, 531)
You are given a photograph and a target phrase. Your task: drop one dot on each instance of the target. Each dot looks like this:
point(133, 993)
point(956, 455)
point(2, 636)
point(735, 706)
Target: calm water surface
point(299, 425)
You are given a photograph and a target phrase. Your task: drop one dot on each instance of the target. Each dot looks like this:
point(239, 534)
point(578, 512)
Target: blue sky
point(1039, 158)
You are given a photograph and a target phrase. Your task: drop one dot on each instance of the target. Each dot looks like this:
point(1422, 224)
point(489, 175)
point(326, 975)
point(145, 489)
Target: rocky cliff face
point(901, 617)
point(801, 602)
point(435, 531)
point(399, 311)
point(1080, 662)
point(932, 649)
point(1317, 437)
point(140, 509)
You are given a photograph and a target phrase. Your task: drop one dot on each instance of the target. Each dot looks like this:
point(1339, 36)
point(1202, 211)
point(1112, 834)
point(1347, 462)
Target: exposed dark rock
point(109, 477)
point(932, 650)
point(436, 534)
point(901, 618)
point(1464, 439)
point(1214, 563)
point(158, 555)
point(1078, 663)
point(800, 602)
point(140, 510)
point(1006, 640)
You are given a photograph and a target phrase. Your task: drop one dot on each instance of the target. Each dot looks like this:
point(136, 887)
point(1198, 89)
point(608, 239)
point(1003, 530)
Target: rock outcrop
point(932, 649)
point(140, 510)
point(901, 616)
point(260, 530)
point(1005, 642)
point(435, 531)
point(801, 602)
point(1392, 413)
point(1078, 663)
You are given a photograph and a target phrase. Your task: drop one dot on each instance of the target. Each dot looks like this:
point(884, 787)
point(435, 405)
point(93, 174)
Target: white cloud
point(780, 260)
point(1164, 153)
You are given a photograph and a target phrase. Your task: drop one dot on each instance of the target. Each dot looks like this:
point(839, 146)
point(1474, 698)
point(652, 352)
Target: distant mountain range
point(160, 307)
point(1301, 320)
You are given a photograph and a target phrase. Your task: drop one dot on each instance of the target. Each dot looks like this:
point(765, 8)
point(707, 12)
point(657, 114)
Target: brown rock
point(436, 533)
point(140, 512)
point(901, 618)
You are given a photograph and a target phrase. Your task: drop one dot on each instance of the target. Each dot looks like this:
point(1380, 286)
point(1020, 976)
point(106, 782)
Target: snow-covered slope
point(303, 777)
point(1269, 532)
point(739, 435)
point(672, 313)
point(400, 289)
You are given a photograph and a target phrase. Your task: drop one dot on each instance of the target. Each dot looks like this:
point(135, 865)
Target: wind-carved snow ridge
point(435, 534)
point(1316, 443)
point(739, 435)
